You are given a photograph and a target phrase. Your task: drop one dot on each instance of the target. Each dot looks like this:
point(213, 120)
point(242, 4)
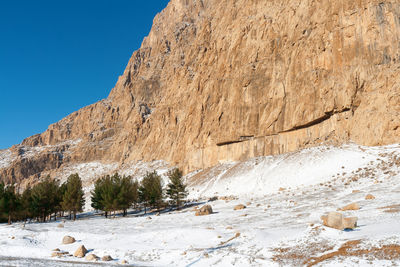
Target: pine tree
point(61, 191)
point(150, 190)
point(26, 204)
point(73, 199)
point(97, 195)
point(9, 202)
point(2, 209)
point(176, 190)
point(114, 193)
point(103, 194)
point(45, 198)
point(109, 193)
point(126, 194)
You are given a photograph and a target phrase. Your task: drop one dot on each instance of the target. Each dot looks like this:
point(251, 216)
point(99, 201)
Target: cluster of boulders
point(207, 209)
point(81, 252)
point(333, 219)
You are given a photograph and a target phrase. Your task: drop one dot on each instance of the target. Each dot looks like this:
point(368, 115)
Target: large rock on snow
point(205, 210)
point(106, 258)
point(58, 254)
point(92, 257)
point(350, 222)
point(352, 206)
point(369, 197)
point(68, 240)
point(336, 220)
point(239, 207)
point(80, 252)
point(333, 220)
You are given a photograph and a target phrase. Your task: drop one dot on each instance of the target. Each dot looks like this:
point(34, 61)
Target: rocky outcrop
point(221, 80)
point(205, 210)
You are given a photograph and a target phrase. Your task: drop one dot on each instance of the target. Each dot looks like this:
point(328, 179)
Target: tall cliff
point(220, 80)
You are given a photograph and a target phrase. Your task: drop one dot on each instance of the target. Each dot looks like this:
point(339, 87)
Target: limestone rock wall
point(219, 80)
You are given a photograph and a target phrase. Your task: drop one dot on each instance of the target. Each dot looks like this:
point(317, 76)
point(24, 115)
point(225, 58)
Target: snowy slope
point(6, 158)
point(263, 175)
point(285, 196)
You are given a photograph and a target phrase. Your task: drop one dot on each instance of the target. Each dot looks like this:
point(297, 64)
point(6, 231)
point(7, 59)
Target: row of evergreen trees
point(116, 193)
point(41, 201)
point(111, 194)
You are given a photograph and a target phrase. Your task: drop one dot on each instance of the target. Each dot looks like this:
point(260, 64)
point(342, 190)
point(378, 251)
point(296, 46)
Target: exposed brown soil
point(350, 249)
point(302, 255)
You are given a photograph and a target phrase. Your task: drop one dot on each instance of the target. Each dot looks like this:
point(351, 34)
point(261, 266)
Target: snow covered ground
point(285, 197)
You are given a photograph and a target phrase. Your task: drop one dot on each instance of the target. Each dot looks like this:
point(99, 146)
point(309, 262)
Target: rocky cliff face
point(220, 80)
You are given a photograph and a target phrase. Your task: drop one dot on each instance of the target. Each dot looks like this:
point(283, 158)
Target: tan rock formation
point(352, 206)
point(239, 207)
point(68, 239)
point(106, 258)
point(92, 257)
point(369, 197)
point(336, 220)
point(80, 252)
point(350, 222)
point(59, 254)
point(205, 210)
point(220, 80)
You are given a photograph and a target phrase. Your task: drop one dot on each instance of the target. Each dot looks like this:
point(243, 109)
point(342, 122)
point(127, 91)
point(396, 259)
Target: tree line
point(119, 193)
point(49, 199)
point(42, 201)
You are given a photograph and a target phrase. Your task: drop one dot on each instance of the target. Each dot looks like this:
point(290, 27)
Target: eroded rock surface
point(220, 80)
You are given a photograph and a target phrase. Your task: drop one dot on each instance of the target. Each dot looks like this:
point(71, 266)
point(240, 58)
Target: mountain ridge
point(218, 81)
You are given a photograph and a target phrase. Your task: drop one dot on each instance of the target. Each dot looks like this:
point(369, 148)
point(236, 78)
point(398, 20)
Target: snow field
point(277, 223)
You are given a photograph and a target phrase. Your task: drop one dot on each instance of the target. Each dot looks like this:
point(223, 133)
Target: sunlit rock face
point(222, 80)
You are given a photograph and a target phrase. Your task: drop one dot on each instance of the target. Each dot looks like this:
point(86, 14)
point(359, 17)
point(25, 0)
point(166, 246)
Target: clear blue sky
point(57, 56)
